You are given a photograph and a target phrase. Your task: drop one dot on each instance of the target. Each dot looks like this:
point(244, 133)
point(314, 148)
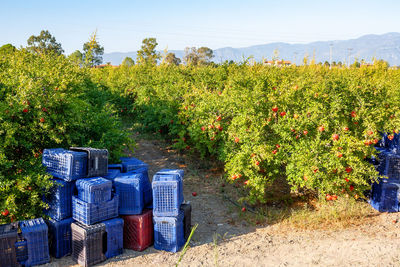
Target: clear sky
point(122, 25)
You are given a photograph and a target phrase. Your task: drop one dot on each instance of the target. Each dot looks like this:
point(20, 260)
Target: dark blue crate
point(167, 194)
point(388, 164)
point(187, 219)
point(385, 196)
point(60, 238)
point(97, 160)
point(21, 250)
point(94, 190)
point(179, 172)
point(91, 213)
point(130, 190)
point(115, 233)
point(65, 164)
point(168, 233)
point(146, 185)
point(59, 200)
point(8, 238)
point(112, 174)
point(131, 164)
point(35, 232)
point(115, 167)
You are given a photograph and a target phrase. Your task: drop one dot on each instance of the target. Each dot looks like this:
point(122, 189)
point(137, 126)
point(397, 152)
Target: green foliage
point(128, 62)
point(147, 55)
point(46, 102)
point(7, 49)
point(92, 51)
point(44, 43)
point(76, 58)
point(229, 112)
point(171, 59)
point(200, 56)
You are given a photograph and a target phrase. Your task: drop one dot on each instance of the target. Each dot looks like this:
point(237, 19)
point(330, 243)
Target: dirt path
point(222, 239)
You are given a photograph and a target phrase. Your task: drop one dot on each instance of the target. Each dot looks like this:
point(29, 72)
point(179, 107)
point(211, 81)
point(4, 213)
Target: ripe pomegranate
point(275, 109)
point(335, 137)
point(321, 128)
point(5, 212)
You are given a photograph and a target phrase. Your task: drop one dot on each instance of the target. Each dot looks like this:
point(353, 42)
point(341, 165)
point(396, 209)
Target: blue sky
point(122, 25)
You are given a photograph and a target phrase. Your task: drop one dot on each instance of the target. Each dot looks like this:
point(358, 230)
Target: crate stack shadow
point(385, 194)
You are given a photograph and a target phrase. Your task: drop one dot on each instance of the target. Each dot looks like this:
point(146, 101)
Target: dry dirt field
point(224, 239)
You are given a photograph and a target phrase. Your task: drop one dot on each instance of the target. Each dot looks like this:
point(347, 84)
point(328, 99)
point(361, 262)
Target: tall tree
point(7, 49)
point(147, 53)
point(171, 59)
point(128, 62)
point(93, 51)
point(44, 43)
point(76, 57)
point(200, 56)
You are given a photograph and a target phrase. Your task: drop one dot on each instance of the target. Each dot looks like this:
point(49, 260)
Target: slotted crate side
point(385, 196)
point(138, 231)
point(60, 237)
point(87, 243)
point(35, 232)
point(90, 213)
point(129, 189)
point(8, 238)
point(171, 175)
point(146, 185)
point(97, 164)
point(168, 233)
point(21, 250)
point(114, 230)
point(94, 190)
point(131, 164)
point(389, 165)
point(60, 200)
point(65, 164)
point(166, 198)
point(187, 219)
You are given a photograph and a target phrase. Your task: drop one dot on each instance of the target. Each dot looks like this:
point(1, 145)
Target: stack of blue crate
point(66, 166)
point(385, 194)
point(167, 186)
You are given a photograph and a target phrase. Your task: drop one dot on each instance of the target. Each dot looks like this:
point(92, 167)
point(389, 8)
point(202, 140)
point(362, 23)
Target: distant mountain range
point(367, 47)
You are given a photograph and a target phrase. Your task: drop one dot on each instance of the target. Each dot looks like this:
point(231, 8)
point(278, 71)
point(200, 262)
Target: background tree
point(147, 53)
point(171, 59)
point(201, 56)
point(44, 43)
point(128, 62)
point(93, 51)
point(76, 57)
point(7, 49)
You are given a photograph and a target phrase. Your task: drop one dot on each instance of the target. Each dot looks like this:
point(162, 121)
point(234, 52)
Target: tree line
point(92, 52)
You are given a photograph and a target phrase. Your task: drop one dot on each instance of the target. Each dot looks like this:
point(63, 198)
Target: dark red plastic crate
point(138, 230)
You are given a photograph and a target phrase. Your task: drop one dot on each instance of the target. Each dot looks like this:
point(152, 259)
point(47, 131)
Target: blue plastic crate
point(388, 164)
point(168, 233)
point(97, 160)
point(60, 200)
point(130, 190)
point(146, 185)
point(385, 196)
point(91, 213)
point(112, 174)
point(8, 238)
point(115, 167)
point(60, 238)
point(131, 164)
point(94, 190)
point(35, 232)
point(21, 250)
point(179, 172)
point(115, 233)
point(167, 194)
point(65, 164)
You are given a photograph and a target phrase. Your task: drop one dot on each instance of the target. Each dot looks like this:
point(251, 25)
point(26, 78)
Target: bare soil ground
point(223, 238)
